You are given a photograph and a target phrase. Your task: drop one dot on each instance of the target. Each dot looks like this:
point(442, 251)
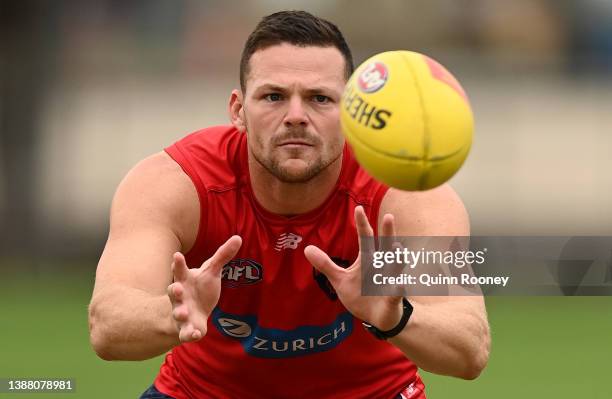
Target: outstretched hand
point(383, 312)
point(195, 292)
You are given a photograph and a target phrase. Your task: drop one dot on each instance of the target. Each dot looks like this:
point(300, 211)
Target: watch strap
point(383, 335)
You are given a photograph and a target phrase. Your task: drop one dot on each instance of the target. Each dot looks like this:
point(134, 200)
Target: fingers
point(388, 239)
point(179, 267)
point(175, 292)
point(363, 226)
point(388, 225)
point(183, 318)
point(188, 333)
point(362, 223)
point(224, 254)
point(191, 327)
point(180, 313)
point(186, 319)
point(323, 263)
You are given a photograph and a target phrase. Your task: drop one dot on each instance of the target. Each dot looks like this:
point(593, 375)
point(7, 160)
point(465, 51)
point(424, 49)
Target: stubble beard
point(273, 165)
point(284, 174)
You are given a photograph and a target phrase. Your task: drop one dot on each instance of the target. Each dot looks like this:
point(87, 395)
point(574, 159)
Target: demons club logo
point(324, 283)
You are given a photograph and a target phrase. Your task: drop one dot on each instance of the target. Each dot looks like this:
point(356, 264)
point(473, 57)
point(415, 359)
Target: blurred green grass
point(543, 347)
point(45, 334)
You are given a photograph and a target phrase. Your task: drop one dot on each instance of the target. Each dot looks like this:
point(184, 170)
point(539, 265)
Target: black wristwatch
point(407, 311)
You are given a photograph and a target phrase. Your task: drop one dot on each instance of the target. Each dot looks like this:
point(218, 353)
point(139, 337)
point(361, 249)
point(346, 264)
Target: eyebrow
point(319, 90)
point(279, 88)
point(269, 87)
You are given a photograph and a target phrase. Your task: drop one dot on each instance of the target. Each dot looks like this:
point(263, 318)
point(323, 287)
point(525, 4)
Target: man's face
point(291, 109)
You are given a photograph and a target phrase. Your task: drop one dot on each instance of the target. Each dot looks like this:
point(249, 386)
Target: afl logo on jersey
point(373, 77)
point(241, 272)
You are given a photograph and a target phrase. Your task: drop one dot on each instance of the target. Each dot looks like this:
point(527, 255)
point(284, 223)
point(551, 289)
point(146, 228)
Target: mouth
point(295, 144)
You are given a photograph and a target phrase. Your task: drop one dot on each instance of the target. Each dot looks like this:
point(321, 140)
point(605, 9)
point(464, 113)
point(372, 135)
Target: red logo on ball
point(373, 77)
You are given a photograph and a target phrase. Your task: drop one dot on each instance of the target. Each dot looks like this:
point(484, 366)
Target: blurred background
point(88, 88)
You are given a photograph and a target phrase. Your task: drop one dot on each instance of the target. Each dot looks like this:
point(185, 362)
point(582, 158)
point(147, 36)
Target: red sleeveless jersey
point(279, 330)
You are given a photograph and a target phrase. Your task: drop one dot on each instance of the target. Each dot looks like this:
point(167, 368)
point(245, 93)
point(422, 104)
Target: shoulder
point(213, 157)
point(157, 174)
point(156, 192)
point(208, 146)
point(214, 135)
point(435, 212)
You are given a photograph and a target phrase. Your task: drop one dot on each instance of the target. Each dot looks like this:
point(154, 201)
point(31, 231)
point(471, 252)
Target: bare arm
point(445, 334)
point(154, 214)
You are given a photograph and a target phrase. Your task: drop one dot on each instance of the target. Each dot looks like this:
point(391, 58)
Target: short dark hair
point(299, 28)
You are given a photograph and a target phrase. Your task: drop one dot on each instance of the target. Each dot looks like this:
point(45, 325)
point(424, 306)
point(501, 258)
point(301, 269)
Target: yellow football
point(407, 119)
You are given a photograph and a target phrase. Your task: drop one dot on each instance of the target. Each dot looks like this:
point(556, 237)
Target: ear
point(236, 110)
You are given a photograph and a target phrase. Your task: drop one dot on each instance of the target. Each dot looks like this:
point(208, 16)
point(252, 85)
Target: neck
point(290, 199)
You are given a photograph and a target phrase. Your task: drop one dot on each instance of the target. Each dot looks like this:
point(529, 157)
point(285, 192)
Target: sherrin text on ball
point(407, 119)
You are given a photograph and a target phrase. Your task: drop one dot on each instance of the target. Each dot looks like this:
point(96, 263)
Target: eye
point(273, 97)
point(321, 99)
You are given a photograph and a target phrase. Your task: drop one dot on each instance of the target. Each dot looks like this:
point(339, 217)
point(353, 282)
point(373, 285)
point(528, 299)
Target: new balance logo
point(287, 241)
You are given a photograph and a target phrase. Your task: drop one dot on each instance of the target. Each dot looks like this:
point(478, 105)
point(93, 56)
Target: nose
point(296, 114)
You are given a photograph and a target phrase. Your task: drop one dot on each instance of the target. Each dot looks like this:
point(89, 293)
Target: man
point(250, 217)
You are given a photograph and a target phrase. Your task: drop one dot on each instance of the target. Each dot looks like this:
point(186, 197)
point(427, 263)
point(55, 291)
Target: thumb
point(320, 261)
point(224, 254)
point(179, 267)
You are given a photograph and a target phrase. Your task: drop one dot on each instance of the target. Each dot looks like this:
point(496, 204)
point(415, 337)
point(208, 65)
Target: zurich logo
point(276, 343)
point(234, 328)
